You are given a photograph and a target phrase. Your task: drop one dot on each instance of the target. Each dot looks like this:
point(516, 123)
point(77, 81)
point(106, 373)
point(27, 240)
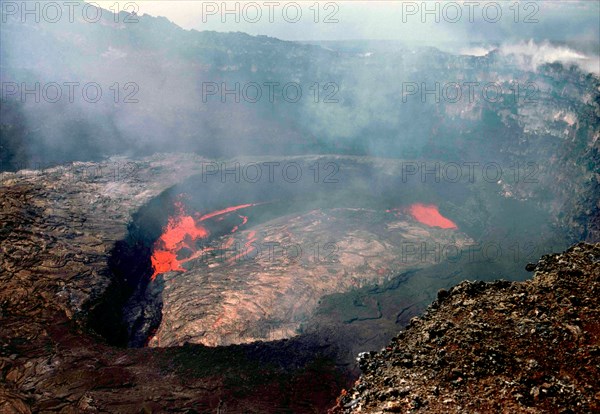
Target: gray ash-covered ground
point(531, 347)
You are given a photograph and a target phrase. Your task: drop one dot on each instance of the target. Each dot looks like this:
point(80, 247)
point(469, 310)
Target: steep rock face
point(491, 347)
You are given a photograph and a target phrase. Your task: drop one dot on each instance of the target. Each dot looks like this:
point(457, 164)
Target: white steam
point(531, 55)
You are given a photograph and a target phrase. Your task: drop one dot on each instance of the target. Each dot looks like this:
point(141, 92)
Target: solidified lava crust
point(271, 284)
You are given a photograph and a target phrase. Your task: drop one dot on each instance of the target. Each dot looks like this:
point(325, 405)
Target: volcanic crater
point(152, 278)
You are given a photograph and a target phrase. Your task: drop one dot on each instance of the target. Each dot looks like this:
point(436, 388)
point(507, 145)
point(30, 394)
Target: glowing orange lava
point(244, 221)
point(182, 231)
point(224, 211)
point(430, 215)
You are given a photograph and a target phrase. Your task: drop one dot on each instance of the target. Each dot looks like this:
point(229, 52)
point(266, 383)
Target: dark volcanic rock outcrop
point(529, 346)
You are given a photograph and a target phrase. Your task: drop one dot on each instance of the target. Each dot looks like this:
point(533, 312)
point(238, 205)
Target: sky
point(429, 22)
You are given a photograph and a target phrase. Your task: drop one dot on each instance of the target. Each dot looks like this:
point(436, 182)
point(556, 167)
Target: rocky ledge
point(481, 347)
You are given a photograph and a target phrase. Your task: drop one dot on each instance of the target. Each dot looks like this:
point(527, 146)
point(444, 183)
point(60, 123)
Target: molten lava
point(181, 232)
point(430, 215)
point(224, 211)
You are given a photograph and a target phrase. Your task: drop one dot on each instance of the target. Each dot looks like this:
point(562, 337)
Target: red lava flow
point(182, 231)
point(430, 215)
point(224, 211)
